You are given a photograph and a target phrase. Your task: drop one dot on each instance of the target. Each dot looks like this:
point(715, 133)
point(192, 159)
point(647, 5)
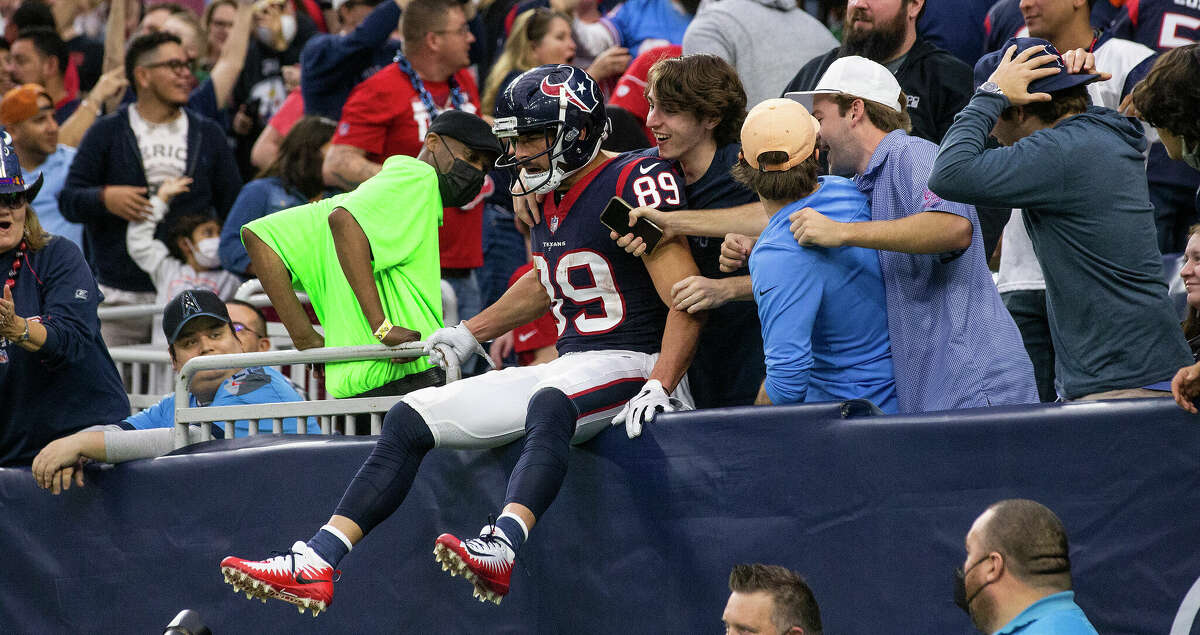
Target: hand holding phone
point(616, 217)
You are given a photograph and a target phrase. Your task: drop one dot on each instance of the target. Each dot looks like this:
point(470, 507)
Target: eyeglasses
point(14, 200)
point(238, 327)
point(175, 65)
point(463, 30)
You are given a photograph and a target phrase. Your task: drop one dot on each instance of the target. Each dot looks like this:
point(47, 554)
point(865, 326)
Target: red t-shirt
point(630, 93)
point(539, 333)
point(385, 116)
point(288, 114)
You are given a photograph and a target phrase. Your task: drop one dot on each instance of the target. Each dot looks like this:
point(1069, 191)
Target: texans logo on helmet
point(557, 90)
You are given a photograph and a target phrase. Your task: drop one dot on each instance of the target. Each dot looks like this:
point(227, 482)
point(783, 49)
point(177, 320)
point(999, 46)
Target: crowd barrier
point(277, 412)
point(872, 509)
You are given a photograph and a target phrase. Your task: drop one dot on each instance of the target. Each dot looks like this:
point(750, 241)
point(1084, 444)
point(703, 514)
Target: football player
point(623, 352)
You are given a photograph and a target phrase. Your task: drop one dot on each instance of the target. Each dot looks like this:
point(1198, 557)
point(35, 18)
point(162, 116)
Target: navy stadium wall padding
point(873, 511)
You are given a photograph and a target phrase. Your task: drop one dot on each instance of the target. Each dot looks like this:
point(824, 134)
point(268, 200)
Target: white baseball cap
point(857, 76)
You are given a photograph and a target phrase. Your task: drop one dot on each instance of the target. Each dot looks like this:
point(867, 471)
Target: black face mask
point(960, 587)
point(461, 184)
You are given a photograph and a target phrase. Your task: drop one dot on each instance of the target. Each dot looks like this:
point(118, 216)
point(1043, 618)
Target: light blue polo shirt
point(54, 173)
point(823, 313)
point(257, 385)
point(954, 344)
point(1056, 614)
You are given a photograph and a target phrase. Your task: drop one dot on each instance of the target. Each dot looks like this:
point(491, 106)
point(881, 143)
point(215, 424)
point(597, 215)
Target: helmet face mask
point(564, 105)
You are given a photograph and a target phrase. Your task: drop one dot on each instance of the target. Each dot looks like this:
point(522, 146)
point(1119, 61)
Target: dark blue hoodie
point(1082, 184)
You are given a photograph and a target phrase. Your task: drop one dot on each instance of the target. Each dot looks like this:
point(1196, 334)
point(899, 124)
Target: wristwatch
point(24, 336)
point(989, 87)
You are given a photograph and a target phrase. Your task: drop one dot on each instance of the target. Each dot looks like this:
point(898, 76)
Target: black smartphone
point(616, 217)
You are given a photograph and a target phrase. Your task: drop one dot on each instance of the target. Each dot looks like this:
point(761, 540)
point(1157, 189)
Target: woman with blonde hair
point(56, 376)
point(538, 36)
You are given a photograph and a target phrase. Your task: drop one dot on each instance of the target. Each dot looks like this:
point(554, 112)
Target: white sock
point(520, 523)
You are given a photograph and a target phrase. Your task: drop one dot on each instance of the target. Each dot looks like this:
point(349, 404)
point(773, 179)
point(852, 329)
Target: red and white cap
point(779, 125)
point(857, 76)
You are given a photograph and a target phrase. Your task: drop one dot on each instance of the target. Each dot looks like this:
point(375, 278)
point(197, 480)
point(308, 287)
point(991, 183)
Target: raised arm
point(229, 65)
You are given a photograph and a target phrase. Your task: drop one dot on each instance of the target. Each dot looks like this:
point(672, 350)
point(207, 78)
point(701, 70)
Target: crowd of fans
point(159, 141)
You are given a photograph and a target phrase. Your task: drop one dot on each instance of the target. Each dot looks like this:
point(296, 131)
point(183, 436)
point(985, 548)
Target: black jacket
point(109, 155)
point(937, 84)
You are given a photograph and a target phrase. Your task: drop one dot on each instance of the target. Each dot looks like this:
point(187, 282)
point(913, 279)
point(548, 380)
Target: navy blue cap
point(11, 180)
point(1061, 81)
point(189, 305)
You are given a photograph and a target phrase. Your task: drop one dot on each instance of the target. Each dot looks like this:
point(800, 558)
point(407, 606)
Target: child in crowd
point(189, 258)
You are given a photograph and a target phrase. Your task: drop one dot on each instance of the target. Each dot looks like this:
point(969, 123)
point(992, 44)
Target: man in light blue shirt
point(197, 323)
point(823, 311)
point(27, 113)
point(954, 343)
point(1017, 574)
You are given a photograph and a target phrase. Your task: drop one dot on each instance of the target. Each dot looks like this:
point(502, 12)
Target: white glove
point(457, 339)
point(650, 401)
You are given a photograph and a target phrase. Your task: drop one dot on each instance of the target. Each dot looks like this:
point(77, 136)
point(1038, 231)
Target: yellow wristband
point(383, 330)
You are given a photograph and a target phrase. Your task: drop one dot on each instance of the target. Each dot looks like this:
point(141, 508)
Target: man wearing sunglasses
point(127, 155)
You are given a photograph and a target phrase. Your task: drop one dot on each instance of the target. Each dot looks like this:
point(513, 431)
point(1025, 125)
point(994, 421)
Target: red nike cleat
point(298, 577)
point(486, 561)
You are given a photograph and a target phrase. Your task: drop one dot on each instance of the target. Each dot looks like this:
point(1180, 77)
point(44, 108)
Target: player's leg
point(304, 575)
point(582, 387)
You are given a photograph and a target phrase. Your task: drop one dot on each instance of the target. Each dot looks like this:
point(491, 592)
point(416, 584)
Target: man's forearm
point(347, 167)
point(523, 303)
point(928, 232)
point(277, 283)
point(354, 255)
point(749, 219)
point(680, 336)
point(738, 288)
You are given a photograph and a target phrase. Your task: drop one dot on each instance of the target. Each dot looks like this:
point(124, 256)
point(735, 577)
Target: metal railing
point(277, 412)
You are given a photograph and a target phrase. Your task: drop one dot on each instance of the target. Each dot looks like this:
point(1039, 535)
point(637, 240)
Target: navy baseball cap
point(472, 131)
point(1062, 81)
point(189, 305)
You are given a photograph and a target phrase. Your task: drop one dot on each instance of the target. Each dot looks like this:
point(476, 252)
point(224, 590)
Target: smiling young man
point(622, 352)
point(127, 155)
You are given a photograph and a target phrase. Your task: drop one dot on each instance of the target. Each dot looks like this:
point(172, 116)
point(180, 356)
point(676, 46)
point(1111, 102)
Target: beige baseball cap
point(779, 125)
point(857, 76)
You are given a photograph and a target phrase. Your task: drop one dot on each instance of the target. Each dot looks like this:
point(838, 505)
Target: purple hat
point(1054, 83)
point(11, 180)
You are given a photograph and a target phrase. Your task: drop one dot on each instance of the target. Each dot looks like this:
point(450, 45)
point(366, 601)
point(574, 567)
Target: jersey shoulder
point(645, 180)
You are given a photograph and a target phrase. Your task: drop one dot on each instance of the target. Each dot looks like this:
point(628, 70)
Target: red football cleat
point(298, 577)
point(486, 561)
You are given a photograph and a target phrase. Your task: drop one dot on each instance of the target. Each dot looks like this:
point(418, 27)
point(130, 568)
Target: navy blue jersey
point(1159, 24)
point(715, 190)
point(601, 297)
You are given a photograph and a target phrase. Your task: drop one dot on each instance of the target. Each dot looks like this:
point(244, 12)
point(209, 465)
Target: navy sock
point(539, 473)
point(388, 473)
point(329, 547)
point(512, 529)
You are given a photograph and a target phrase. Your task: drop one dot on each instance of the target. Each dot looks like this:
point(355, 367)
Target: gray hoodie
point(767, 41)
point(1083, 186)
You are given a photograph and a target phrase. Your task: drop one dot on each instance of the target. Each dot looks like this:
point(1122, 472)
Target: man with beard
point(123, 160)
point(937, 84)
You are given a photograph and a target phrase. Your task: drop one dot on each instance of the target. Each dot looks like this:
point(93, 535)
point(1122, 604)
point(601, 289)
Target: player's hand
point(526, 207)
point(126, 201)
point(810, 227)
point(1185, 387)
point(735, 252)
point(1018, 70)
point(457, 340)
point(634, 244)
point(58, 464)
point(500, 348)
point(1082, 61)
point(697, 293)
point(644, 406)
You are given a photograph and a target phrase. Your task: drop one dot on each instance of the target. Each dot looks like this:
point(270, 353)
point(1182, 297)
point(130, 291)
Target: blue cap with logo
point(11, 180)
point(189, 305)
point(1054, 83)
